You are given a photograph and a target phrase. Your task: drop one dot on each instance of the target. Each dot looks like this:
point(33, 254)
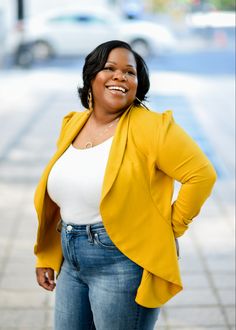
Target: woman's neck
point(102, 118)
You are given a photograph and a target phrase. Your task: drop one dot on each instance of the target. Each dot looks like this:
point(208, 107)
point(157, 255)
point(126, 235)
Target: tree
point(224, 4)
point(166, 5)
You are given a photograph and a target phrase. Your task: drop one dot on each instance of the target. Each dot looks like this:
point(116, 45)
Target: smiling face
point(114, 87)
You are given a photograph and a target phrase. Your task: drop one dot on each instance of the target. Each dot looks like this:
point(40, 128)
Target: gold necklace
point(90, 144)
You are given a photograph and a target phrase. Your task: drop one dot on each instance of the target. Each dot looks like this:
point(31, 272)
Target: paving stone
point(224, 280)
point(19, 282)
point(22, 318)
point(219, 246)
point(7, 226)
point(221, 263)
point(25, 328)
point(197, 328)
point(49, 318)
point(197, 297)
point(22, 248)
point(227, 296)
point(26, 232)
point(51, 299)
point(18, 256)
point(2, 260)
point(161, 318)
point(230, 312)
point(19, 267)
point(186, 245)
point(190, 263)
point(195, 316)
point(21, 299)
point(195, 281)
point(3, 242)
point(2, 253)
point(220, 226)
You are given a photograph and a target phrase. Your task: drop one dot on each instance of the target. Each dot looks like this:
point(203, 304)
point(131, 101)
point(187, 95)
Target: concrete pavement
point(32, 105)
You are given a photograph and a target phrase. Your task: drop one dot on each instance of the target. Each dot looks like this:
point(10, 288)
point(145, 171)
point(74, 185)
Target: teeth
point(117, 88)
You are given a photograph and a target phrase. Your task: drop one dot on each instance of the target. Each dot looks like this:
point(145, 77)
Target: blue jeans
point(97, 285)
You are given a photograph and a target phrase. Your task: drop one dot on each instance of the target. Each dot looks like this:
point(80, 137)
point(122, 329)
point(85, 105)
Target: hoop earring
point(90, 100)
point(142, 103)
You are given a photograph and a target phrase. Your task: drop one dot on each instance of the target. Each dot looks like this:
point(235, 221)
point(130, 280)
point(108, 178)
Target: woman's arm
point(181, 158)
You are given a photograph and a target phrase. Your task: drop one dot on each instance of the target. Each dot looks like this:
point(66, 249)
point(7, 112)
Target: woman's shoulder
point(151, 117)
point(74, 114)
point(146, 126)
point(68, 121)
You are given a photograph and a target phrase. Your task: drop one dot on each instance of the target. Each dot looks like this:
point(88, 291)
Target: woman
point(111, 182)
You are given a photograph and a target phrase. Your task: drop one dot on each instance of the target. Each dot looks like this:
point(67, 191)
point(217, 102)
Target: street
point(199, 88)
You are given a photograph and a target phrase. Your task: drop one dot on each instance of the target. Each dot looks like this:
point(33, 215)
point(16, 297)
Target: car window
point(83, 18)
point(61, 19)
point(90, 19)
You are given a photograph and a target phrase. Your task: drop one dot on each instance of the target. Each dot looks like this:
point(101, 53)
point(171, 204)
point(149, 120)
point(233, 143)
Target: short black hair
point(95, 62)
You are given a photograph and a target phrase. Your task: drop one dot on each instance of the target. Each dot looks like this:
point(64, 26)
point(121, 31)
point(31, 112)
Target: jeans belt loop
point(88, 230)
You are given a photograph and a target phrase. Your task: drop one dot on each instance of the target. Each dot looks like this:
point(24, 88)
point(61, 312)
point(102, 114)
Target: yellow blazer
point(149, 151)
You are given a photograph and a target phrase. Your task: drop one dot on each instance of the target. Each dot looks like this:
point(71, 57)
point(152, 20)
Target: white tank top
point(75, 183)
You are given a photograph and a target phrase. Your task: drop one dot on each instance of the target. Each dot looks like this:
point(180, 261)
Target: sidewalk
point(34, 106)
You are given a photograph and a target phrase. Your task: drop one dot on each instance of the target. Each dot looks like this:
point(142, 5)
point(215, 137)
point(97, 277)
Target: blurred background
point(189, 47)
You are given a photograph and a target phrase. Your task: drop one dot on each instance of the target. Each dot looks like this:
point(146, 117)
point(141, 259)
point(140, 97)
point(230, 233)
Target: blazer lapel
point(116, 153)
point(117, 148)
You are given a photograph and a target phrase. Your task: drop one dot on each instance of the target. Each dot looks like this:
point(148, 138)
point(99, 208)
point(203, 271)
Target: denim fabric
point(97, 285)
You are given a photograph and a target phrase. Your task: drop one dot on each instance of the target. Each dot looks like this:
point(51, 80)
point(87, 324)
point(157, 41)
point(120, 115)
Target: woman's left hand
point(45, 278)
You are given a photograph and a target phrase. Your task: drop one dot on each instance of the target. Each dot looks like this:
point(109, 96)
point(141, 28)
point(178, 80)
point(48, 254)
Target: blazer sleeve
point(180, 158)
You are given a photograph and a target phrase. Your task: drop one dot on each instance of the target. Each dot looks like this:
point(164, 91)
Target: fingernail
point(51, 281)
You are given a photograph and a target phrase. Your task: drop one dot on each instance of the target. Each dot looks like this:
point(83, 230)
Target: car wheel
point(41, 50)
point(24, 56)
point(141, 47)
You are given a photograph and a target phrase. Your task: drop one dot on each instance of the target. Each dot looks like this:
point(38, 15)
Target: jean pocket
point(102, 239)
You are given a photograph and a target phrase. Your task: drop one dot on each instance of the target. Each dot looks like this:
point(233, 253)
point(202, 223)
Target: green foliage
point(160, 5)
point(165, 5)
point(224, 4)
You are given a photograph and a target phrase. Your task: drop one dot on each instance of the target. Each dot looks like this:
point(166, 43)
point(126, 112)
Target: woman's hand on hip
point(45, 278)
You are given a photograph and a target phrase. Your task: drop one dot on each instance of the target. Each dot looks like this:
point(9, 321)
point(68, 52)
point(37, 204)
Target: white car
point(77, 31)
